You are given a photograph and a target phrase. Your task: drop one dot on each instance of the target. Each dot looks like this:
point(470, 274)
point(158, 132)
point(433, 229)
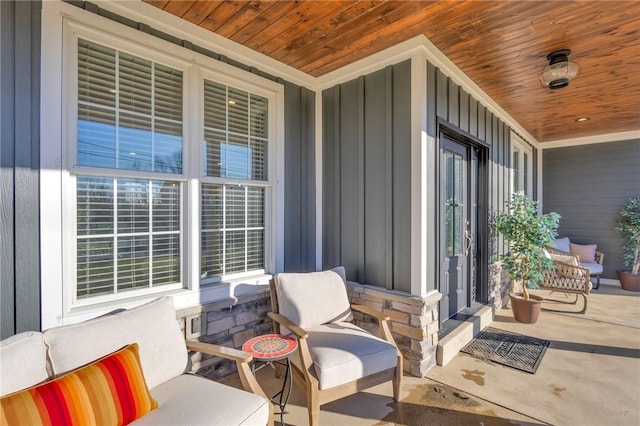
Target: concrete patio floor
point(590, 375)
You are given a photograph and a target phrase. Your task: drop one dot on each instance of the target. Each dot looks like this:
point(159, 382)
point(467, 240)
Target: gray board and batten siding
point(367, 165)
point(300, 181)
point(588, 185)
point(19, 166)
point(366, 156)
point(19, 190)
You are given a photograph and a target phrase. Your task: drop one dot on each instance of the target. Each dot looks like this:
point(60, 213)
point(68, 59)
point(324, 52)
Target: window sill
point(228, 289)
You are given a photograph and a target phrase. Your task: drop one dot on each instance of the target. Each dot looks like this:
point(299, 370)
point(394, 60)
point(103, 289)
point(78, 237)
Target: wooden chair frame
point(566, 278)
point(304, 375)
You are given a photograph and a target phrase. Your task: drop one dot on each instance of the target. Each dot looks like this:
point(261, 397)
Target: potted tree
point(629, 225)
point(527, 233)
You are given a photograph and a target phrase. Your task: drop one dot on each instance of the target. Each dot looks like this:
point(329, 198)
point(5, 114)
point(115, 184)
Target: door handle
point(468, 239)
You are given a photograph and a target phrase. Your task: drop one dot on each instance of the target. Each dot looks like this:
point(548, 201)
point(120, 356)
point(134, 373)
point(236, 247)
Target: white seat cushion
point(23, 362)
point(343, 352)
point(163, 353)
point(314, 298)
point(194, 400)
point(594, 268)
point(564, 258)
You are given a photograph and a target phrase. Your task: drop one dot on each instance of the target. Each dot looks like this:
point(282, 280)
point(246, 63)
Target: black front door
point(457, 225)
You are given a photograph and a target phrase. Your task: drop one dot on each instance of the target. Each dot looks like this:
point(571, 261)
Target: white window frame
point(210, 74)
point(519, 147)
point(61, 23)
point(72, 33)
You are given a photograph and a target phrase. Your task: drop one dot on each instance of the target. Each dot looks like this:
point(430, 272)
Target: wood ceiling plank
point(178, 8)
point(293, 23)
point(221, 14)
point(381, 29)
point(331, 25)
point(358, 43)
point(247, 14)
point(200, 10)
point(267, 18)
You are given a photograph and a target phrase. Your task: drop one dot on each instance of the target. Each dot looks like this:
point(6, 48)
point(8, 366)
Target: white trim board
point(587, 140)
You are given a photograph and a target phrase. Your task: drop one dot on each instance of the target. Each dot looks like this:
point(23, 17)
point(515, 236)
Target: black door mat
point(511, 349)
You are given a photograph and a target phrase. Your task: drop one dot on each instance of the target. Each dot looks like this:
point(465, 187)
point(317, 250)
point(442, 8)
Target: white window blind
point(128, 232)
point(129, 111)
point(232, 214)
point(236, 133)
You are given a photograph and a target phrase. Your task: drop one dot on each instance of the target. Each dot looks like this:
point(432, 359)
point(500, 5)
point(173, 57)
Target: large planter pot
point(629, 281)
point(525, 311)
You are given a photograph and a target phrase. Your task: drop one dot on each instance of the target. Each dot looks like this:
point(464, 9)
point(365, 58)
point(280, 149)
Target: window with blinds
point(129, 118)
point(232, 211)
point(128, 235)
point(129, 111)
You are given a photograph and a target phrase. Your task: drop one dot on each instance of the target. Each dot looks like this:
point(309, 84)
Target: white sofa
point(33, 357)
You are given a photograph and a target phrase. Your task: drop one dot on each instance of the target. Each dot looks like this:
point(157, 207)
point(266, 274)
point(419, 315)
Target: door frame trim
point(483, 226)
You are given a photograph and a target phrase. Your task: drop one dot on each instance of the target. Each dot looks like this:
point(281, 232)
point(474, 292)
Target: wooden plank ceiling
point(501, 46)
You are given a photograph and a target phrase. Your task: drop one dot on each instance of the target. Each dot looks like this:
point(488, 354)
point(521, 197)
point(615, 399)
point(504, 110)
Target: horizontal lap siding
point(588, 185)
point(366, 177)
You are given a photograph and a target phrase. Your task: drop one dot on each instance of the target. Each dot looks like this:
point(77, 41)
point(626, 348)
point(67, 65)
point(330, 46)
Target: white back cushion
point(153, 326)
point(23, 362)
point(314, 298)
point(561, 244)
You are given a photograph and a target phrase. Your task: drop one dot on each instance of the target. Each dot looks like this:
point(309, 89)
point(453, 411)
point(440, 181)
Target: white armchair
point(336, 358)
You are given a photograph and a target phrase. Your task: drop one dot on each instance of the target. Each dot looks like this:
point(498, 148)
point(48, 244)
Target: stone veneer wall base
point(414, 322)
point(231, 322)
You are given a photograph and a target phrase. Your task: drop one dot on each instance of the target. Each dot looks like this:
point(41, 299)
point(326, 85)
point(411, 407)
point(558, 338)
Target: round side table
point(273, 349)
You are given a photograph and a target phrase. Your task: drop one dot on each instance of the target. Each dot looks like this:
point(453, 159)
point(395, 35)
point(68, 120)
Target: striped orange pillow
point(110, 391)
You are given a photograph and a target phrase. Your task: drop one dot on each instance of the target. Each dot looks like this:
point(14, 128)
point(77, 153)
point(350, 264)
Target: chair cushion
point(343, 352)
point(23, 362)
point(110, 391)
point(314, 298)
point(571, 260)
point(561, 244)
point(586, 253)
point(594, 268)
point(193, 400)
point(153, 326)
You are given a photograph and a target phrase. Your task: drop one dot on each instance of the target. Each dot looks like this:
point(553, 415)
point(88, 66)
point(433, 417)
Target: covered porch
point(379, 136)
point(589, 375)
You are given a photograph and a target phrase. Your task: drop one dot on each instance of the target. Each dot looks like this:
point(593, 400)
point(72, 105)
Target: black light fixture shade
point(560, 70)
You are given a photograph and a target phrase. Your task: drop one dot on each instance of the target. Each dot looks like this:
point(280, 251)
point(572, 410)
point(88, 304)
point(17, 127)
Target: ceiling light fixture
point(560, 70)
point(581, 119)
